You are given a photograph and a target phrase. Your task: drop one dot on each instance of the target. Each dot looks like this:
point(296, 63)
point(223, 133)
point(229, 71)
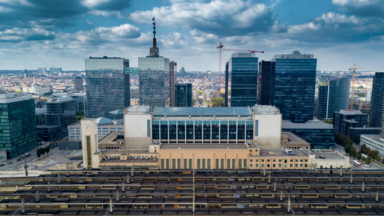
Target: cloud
point(225, 18)
point(89, 23)
point(332, 27)
point(363, 8)
point(15, 35)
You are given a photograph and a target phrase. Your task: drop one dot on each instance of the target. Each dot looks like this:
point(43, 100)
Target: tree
point(47, 149)
point(38, 152)
point(353, 152)
point(356, 139)
point(378, 158)
point(382, 160)
point(368, 160)
point(347, 148)
point(347, 141)
point(215, 102)
point(359, 155)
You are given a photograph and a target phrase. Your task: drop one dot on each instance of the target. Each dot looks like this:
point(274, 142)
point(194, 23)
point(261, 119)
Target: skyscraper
point(153, 70)
point(55, 71)
point(107, 86)
point(78, 84)
point(172, 79)
point(183, 95)
point(377, 100)
point(242, 79)
point(18, 124)
point(41, 70)
point(264, 82)
point(294, 87)
point(333, 95)
point(60, 113)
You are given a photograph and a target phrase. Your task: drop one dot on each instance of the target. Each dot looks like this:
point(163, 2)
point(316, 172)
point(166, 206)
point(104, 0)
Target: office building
point(172, 80)
point(153, 77)
point(60, 113)
point(226, 85)
point(39, 113)
point(55, 71)
point(104, 127)
point(375, 141)
point(294, 86)
point(345, 119)
point(318, 133)
point(41, 70)
point(107, 86)
point(264, 82)
point(18, 124)
point(333, 96)
point(377, 100)
point(242, 80)
point(356, 132)
point(38, 89)
point(183, 95)
point(78, 84)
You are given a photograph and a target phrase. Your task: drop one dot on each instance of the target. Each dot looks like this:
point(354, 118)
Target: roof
point(365, 128)
point(328, 156)
point(104, 121)
point(375, 137)
point(351, 112)
point(203, 146)
point(201, 111)
point(314, 124)
point(281, 153)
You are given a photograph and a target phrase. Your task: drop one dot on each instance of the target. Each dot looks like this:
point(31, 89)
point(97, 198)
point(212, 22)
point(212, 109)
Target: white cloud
point(89, 23)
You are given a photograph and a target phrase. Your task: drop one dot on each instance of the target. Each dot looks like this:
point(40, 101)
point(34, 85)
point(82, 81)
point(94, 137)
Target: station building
point(225, 138)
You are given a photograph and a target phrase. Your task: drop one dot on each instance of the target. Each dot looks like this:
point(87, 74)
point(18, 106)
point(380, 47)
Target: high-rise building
point(41, 70)
point(172, 79)
point(226, 85)
point(78, 84)
point(377, 100)
point(183, 95)
point(18, 124)
point(182, 70)
point(242, 79)
point(345, 119)
point(55, 71)
point(107, 86)
point(60, 113)
point(294, 86)
point(264, 82)
point(153, 70)
point(333, 95)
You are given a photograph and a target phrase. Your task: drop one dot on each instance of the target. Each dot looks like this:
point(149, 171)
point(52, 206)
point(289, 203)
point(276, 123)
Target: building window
point(251, 160)
point(89, 157)
point(233, 163)
point(166, 163)
point(274, 165)
point(305, 165)
point(257, 160)
point(162, 163)
point(285, 165)
point(245, 163)
point(301, 160)
point(297, 160)
point(217, 164)
point(262, 160)
point(274, 160)
point(262, 165)
point(185, 164)
point(251, 165)
point(222, 163)
point(301, 165)
point(174, 164)
point(198, 163)
point(268, 165)
point(240, 164)
point(291, 165)
point(190, 163)
point(203, 163)
point(268, 160)
point(257, 165)
point(296, 165)
point(209, 163)
point(229, 164)
point(178, 163)
point(279, 160)
point(291, 160)
point(279, 165)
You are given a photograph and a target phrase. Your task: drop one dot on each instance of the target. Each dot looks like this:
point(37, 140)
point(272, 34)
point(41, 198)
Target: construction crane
point(240, 50)
point(353, 82)
point(220, 47)
point(205, 88)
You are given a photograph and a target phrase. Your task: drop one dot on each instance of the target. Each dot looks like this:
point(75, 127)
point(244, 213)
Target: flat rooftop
point(201, 111)
point(203, 146)
point(365, 128)
point(111, 138)
point(328, 156)
point(281, 153)
point(314, 124)
point(294, 139)
point(351, 112)
point(375, 137)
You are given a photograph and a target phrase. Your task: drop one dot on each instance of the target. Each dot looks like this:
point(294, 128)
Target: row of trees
point(42, 151)
point(347, 143)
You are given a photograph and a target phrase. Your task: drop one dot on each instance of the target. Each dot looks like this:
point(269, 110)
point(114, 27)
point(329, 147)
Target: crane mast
point(353, 84)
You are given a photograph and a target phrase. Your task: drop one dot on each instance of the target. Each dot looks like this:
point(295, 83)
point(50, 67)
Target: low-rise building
point(348, 118)
point(373, 142)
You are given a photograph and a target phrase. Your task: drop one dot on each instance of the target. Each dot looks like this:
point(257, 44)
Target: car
point(10, 162)
point(19, 159)
point(366, 166)
point(2, 164)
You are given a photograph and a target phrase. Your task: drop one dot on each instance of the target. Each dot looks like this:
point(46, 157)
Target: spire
point(154, 32)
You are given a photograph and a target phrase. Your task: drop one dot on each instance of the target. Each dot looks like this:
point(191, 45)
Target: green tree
point(47, 149)
point(215, 102)
point(378, 158)
point(368, 160)
point(358, 155)
point(353, 152)
point(347, 148)
point(38, 152)
point(347, 141)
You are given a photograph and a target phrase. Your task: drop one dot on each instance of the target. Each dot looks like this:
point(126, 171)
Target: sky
point(62, 33)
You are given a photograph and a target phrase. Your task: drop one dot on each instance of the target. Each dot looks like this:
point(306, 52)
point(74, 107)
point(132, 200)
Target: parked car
point(2, 164)
point(366, 166)
point(10, 162)
point(19, 159)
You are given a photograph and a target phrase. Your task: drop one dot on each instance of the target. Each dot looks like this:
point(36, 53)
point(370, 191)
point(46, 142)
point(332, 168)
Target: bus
point(356, 163)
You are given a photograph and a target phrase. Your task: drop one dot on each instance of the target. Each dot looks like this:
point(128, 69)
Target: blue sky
point(62, 33)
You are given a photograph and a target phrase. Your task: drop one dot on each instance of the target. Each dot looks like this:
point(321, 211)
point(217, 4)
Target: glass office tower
point(377, 100)
point(264, 82)
point(294, 87)
point(107, 86)
point(60, 113)
point(183, 95)
point(333, 95)
point(17, 124)
point(242, 79)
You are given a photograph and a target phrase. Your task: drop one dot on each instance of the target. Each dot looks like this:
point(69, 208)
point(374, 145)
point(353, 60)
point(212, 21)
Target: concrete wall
point(269, 130)
point(3, 156)
point(135, 131)
point(328, 162)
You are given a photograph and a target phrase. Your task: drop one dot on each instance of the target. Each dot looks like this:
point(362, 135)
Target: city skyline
point(338, 32)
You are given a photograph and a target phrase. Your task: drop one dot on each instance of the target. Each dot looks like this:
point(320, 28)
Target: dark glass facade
point(318, 138)
point(242, 80)
point(345, 119)
point(17, 126)
point(153, 81)
point(356, 132)
point(107, 86)
point(61, 112)
point(183, 95)
point(264, 82)
point(377, 100)
point(333, 96)
point(78, 84)
point(294, 87)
